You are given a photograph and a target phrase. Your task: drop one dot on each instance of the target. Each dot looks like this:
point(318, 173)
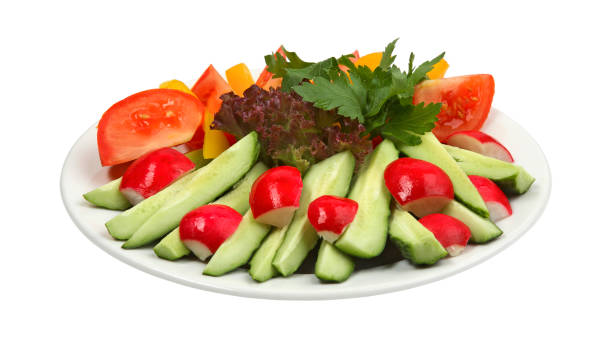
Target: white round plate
point(82, 172)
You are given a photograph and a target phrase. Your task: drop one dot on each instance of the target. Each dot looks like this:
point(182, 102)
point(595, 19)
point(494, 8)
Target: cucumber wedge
point(332, 264)
point(237, 250)
point(261, 268)
point(331, 176)
point(511, 178)
point(431, 150)
point(207, 183)
point(483, 230)
point(416, 242)
point(108, 195)
point(171, 247)
point(238, 197)
point(124, 225)
point(366, 236)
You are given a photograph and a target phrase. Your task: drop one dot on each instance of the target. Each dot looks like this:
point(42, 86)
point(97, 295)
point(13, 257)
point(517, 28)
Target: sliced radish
point(450, 232)
point(275, 195)
point(495, 199)
point(330, 215)
point(479, 142)
point(204, 229)
point(418, 186)
point(152, 172)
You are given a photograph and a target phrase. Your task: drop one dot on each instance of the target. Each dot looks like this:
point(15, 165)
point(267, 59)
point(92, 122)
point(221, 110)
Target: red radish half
point(495, 199)
point(418, 186)
point(204, 229)
point(450, 232)
point(479, 142)
point(152, 172)
point(275, 195)
point(330, 215)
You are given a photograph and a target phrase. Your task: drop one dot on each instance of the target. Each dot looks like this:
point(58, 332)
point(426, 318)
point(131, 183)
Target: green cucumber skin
point(332, 264)
point(415, 242)
point(238, 197)
point(238, 248)
point(261, 268)
point(511, 178)
point(208, 183)
point(171, 247)
point(331, 176)
point(108, 195)
point(124, 225)
point(431, 150)
point(366, 236)
point(483, 230)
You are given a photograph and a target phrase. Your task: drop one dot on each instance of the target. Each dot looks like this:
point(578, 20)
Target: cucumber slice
point(124, 225)
point(261, 268)
point(431, 150)
point(511, 178)
point(171, 247)
point(207, 184)
point(332, 264)
point(331, 176)
point(108, 195)
point(416, 242)
point(238, 197)
point(237, 250)
point(366, 236)
point(483, 230)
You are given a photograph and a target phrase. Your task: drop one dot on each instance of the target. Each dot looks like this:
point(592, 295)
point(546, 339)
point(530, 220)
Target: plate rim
point(301, 294)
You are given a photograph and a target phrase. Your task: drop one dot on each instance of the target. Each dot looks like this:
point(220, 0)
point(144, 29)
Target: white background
point(62, 64)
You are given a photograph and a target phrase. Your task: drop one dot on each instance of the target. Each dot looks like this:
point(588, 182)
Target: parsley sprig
point(381, 99)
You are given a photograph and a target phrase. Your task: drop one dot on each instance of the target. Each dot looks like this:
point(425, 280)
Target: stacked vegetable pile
point(310, 150)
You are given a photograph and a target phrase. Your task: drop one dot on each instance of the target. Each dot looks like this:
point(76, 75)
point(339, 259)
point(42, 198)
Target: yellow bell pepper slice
point(370, 60)
point(176, 85)
point(214, 140)
point(239, 78)
point(439, 69)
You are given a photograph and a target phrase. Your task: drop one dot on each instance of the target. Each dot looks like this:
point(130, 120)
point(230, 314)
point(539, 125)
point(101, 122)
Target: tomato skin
point(209, 87)
point(147, 121)
point(197, 141)
point(466, 102)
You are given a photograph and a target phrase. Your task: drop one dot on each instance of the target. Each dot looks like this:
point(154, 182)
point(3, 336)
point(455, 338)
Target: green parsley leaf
point(387, 57)
point(405, 122)
point(324, 94)
point(278, 65)
point(420, 73)
point(381, 99)
point(294, 76)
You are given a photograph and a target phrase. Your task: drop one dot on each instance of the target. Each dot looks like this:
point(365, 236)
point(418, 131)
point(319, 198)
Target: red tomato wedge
point(147, 121)
point(209, 87)
point(197, 141)
point(466, 101)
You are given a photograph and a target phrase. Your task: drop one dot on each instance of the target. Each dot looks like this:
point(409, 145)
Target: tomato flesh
point(147, 121)
point(466, 102)
point(209, 87)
